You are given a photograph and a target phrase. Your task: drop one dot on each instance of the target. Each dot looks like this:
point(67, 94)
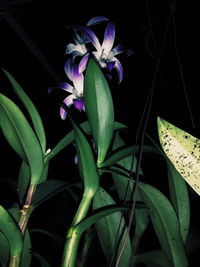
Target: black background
point(45, 22)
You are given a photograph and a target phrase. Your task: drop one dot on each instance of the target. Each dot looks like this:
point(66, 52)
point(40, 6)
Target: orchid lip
point(78, 103)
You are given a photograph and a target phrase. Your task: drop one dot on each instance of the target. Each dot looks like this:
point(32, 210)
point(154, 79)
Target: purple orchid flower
point(75, 90)
point(105, 54)
point(78, 48)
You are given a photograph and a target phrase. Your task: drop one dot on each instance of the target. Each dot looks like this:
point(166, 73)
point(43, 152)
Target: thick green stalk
point(73, 237)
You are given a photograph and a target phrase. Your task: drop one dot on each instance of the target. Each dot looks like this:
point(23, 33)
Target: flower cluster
point(104, 54)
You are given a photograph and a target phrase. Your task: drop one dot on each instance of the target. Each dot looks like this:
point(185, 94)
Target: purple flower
point(105, 54)
point(75, 90)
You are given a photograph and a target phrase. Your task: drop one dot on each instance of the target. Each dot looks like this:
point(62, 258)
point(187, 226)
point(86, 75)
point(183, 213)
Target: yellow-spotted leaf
point(183, 150)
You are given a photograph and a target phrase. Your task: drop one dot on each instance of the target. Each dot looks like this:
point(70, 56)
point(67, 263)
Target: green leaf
point(99, 108)
point(21, 137)
point(69, 138)
point(124, 152)
point(183, 151)
point(90, 220)
point(87, 165)
point(75, 232)
point(26, 254)
point(4, 250)
point(155, 257)
point(141, 223)
point(23, 181)
point(33, 113)
point(178, 194)
point(165, 224)
point(180, 199)
point(47, 190)
point(124, 187)
point(111, 230)
point(193, 241)
point(12, 233)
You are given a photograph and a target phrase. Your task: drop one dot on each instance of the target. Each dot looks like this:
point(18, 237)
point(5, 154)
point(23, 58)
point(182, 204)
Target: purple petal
point(118, 49)
point(83, 63)
point(77, 79)
point(96, 20)
point(78, 103)
point(68, 101)
point(63, 113)
point(110, 65)
point(91, 35)
point(129, 52)
point(68, 68)
point(64, 86)
point(119, 68)
point(109, 38)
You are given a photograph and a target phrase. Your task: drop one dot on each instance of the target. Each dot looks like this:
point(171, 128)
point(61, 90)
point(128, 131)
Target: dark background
point(32, 49)
point(34, 55)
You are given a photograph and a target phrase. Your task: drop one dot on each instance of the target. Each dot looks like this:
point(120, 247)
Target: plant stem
point(24, 217)
point(14, 261)
point(73, 237)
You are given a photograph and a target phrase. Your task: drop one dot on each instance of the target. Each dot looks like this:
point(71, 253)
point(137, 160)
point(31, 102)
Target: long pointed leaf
point(47, 190)
point(87, 165)
point(26, 256)
point(4, 250)
point(111, 230)
point(99, 108)
point(124, 152)
point(180, 199)
point(21, 137)
point(156, 258)
point(69, 138)
point(183, 151)
point(123, 186)
point(165, 224)
point(87, 222)
point(23, 181)
point(34, 115)
point(178, 194)
point(12, 233)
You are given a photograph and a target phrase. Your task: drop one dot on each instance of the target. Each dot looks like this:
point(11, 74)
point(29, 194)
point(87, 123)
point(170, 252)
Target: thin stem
point(149, 102)
point(73, 238)
point(14, 261)
point(24, 217)
point(182, 76)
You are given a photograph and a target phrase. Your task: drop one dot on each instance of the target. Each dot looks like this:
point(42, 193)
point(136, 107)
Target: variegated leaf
point(183, 150)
